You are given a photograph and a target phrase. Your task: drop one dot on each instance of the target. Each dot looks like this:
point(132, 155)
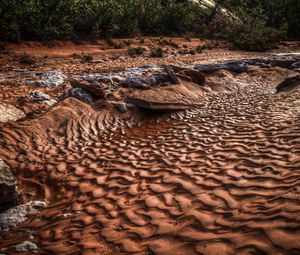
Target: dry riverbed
point(183, 154)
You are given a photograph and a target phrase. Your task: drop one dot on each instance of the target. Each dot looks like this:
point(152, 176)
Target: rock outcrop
point(171, 98)
point(95, 88)
point(10, 113)
point(242, 65)
point(288, 84)
point(8, 192)
point(79, 93)
point(18, 214)
point(41, 98)
point(51, 79)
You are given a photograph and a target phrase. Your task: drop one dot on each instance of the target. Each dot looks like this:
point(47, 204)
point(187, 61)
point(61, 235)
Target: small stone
point(41, 98)
point(121, 107)
point(26, 246)
point(80, 94)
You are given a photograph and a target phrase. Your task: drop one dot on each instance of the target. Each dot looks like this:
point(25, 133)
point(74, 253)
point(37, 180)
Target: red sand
point(222, 178)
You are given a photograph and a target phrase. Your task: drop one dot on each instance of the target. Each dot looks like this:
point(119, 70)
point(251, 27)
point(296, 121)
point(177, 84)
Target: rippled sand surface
point(221, 178)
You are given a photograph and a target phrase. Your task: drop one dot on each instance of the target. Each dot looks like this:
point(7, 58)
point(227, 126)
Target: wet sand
point(219, 178)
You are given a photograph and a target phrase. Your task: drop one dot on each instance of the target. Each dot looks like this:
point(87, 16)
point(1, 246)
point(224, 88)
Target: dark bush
point(173, 44)
point(26, 59)
point(251, 33)
point(93, 19)
point(87, 58)
point(157, 52)
point(135, 51)
point(199, 49)
point(183, 52)
point(128, 42)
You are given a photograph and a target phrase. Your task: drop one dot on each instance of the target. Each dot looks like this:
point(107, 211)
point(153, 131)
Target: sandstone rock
point(41, 98)
point(158, 106)
point(26, 246)
point(173, 76)
point(8, 192)
point(146, 82)
point(18, 214)
point(295, 65)
point(95, 88)
point(239, 66)
point(80, 94)
point(288, 84)
point(121, 107)
point(234, 66)
point(51, 79)
point(139, 82)
point(10, 113)
point(189, 74)
point(162, 78)
point(170, 98)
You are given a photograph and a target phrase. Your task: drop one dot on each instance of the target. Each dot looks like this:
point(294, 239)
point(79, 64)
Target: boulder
point(234, 66)
point(242, 65)
point(288, 84)
point(189, 74)
point(26, 246)
point(41, 98)
point(169, 98)
point(80, 94)
point(51, 79)
point(121, 107)
point(172, 75)
point(10, 113)
point(8, 192)
point(146, 82)
point(16, 215)
point(139, 82)
point(95, 88)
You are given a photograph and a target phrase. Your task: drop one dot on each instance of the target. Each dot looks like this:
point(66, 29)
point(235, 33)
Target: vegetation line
point(249, 24)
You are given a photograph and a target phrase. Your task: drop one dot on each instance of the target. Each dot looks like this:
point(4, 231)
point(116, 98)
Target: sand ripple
point(222, 178)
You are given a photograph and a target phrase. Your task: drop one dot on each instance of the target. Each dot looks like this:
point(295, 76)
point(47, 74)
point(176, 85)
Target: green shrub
point(135, 51)
point(173, 44)
point(127, 42)
point(199, 49)
point(87, 58)
point(82, 19)
point(192, 52)
point(157, 52)
point(183, 52)
point(119, 46)
point(266, 39)
point(26, 59)
point(252, 25)
point(188, 38)
point(110, 42)
point(251, 33)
